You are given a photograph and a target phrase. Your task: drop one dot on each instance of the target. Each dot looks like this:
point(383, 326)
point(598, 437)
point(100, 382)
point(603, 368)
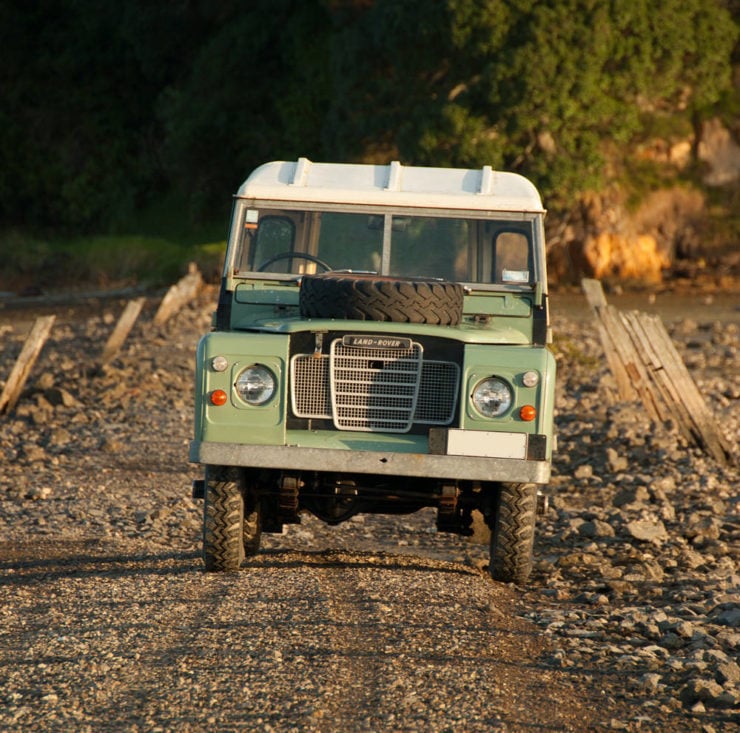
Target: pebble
point(669, 565)
point(635, 559)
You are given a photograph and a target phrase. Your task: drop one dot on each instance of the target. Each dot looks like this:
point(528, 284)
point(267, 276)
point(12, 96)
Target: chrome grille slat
point(374, 390)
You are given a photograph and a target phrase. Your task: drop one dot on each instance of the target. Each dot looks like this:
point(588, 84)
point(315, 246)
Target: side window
point(512, 258)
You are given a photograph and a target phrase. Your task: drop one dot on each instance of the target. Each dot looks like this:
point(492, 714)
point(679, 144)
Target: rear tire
point(512, 533)
point(252, 524)
point(223, 520)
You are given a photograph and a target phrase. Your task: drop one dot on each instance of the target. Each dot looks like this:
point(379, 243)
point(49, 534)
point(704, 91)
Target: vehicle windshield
point(400, 245)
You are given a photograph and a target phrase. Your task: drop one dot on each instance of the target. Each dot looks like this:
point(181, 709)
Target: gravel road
point(631, 620)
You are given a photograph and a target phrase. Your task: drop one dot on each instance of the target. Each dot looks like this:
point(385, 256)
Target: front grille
point(374, 389)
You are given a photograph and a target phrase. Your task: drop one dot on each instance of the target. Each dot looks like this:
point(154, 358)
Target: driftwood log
point(180, 293)
point(27, 358)
point(122, 330)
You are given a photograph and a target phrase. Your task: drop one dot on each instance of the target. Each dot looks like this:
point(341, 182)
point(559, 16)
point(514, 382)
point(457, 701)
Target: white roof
point(394, 185)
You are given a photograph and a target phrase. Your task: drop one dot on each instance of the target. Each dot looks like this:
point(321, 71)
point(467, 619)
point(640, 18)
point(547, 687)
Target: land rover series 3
point(379, 346)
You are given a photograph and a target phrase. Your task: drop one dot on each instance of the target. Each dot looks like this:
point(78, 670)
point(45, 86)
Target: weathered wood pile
point(646, 365)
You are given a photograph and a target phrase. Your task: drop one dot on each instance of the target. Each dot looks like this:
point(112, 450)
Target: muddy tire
point(375, 298)
point(512, 533)
point(223, 520)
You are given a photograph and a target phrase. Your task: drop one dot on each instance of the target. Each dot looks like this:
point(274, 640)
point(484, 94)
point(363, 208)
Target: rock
point(705, 691)
point(728, 617)
point(684, 629)
point(59, 437)
point(728, 673)
point(34, 454)
point(45, 381)
point(703, 528)
point(111, 445)
point(583, 472)
point(632, 495)
point(577, 560)
point(689, 558)
point(616, 462)
point(665, 484)
point(596, 528)
point(650, 681)
point(56, 397)
point(672, 641)
point(39, 493)
point(647, 530)
point(728, 699)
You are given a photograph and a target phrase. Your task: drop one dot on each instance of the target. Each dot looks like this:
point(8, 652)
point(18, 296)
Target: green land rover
point(379, 345)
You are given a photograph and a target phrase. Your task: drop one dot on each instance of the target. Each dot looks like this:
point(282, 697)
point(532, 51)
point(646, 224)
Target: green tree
point(69, 115)
point(109, 106)
point(534, 86)
point(256, 91)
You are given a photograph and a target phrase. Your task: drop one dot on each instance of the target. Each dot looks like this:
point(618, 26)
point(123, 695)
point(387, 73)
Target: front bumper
point(385, 463)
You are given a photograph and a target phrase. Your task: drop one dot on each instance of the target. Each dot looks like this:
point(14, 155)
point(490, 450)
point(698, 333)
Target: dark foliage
point(110, 106)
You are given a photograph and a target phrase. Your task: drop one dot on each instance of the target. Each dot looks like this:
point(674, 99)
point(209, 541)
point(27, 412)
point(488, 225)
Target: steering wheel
point(290, 256)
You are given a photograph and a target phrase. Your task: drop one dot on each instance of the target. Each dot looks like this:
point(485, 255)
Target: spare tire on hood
point(378, 298)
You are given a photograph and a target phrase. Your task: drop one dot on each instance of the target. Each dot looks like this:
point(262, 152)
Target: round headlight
point(492, 397)
point(256, 384)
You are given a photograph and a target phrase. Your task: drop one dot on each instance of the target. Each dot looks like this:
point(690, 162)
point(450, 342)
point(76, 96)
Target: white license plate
point(486, 443)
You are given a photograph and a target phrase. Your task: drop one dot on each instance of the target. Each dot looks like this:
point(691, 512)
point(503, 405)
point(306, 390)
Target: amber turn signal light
point(528, 413)
point(218, 397)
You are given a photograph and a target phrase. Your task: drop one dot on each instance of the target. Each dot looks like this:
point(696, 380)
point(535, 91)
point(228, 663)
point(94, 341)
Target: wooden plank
point(651, 396)
point(597, 300)
point(707, 433)
point(641, 332)
point(594, 293)
point(643, 359)
point(27, 358)
point(631, 361)
point(625, 389)
point(629, 378)
point(122, 330)
point(180, 293)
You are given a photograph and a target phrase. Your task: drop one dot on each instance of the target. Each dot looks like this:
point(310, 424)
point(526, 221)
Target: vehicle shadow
point(32, 562)
point(339, 558)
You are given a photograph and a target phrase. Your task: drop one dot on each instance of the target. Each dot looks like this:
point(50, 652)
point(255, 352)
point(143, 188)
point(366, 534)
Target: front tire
point(223, 520)
point(512, 533)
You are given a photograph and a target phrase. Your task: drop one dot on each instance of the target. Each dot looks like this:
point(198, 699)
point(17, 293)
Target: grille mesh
point(437, 393)
point(310, 386)
point(373, 389)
